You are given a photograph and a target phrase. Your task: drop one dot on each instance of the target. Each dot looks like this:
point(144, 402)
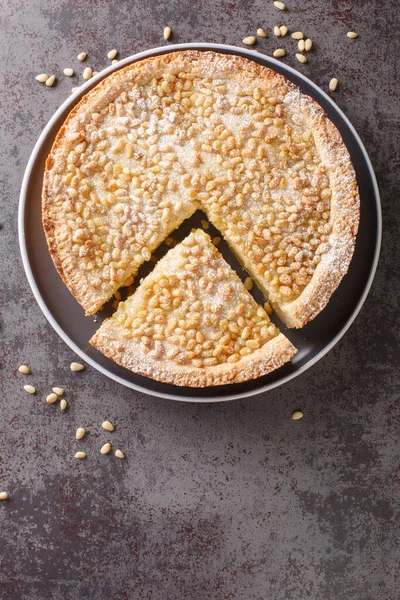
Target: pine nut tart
point(191, 322)
point(162, 137)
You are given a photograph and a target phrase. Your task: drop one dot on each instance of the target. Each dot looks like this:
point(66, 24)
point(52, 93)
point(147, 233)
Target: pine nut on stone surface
point(4, 495)
point(308, 45)
point(82, 56)
point(108, 426)
point(87, 73)
point(114, 62)
point(297, 35)
point(249, 40)
point(301, 45)
point(42, 77)
point(112, 53)
point(279, 52)
point(80, 455)
point(51, 398)
point(24, 369)
point(106, 448)
point(58, 390)
point(30, 389)
point(74, 366)
point(80, 432)
point(301, 58)
point(74, 89)
point(261, 32)
point(279, 5)
point(283, 29)
point(333, 84)
point(50, 81)
point(68, 72)
point(277, 31)
point(119, 454)
point(297, 415)
point(167, 33)
point(63, 404)
point(352, 35)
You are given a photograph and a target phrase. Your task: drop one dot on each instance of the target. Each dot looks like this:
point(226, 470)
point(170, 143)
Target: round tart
point(192, 322)
point(165, 136)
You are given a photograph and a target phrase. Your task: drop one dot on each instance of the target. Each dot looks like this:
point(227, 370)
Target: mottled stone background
point(230, 501)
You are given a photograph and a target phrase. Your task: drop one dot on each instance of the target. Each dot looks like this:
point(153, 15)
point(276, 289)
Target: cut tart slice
point(192, 323)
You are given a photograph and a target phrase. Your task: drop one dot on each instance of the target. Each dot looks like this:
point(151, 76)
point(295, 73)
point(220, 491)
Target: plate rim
point(252, 54)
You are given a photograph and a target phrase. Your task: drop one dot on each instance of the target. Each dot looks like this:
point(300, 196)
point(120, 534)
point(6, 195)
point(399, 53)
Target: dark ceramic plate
point(313, 341)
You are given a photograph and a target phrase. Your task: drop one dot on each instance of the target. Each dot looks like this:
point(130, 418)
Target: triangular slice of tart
point(191, 322)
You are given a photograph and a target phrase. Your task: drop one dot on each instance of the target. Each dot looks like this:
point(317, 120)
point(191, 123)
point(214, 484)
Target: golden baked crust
point(192, 323)
point(162, 137)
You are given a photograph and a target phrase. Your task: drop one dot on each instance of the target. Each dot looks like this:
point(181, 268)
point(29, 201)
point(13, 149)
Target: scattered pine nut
point(308, 45)
point(283, 29)
point(333, 84)
point(63, 404)
point(50, 81)
point(297, 35)
point(80, 432)
point(108, 426)
point(112, 53)
point(119, 454)
point(96, 72)
point(80, 455)
point(297, 415)
point(114, 62)
point(301, 45)
point(82, 56)
point(24, 369)
point(69, 72)
point(249, 40)
point(42, 77)
point(352, 35)
point(301, 58)
point(3, 495)
point(280, 5)
point(279, 52)
point(261, 32)
point(51, 398)
point(205, 224)
point(74, 366)
point(30, 389)
point(74, 89)
point(248, 283)
point(106, 448)
point(87, 73)
point(57, 390)
point(216, 240)
point(268, 308)
point(167, 33)
point(277, 31)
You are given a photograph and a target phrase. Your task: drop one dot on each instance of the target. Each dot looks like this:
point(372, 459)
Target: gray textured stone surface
point(231, 501)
